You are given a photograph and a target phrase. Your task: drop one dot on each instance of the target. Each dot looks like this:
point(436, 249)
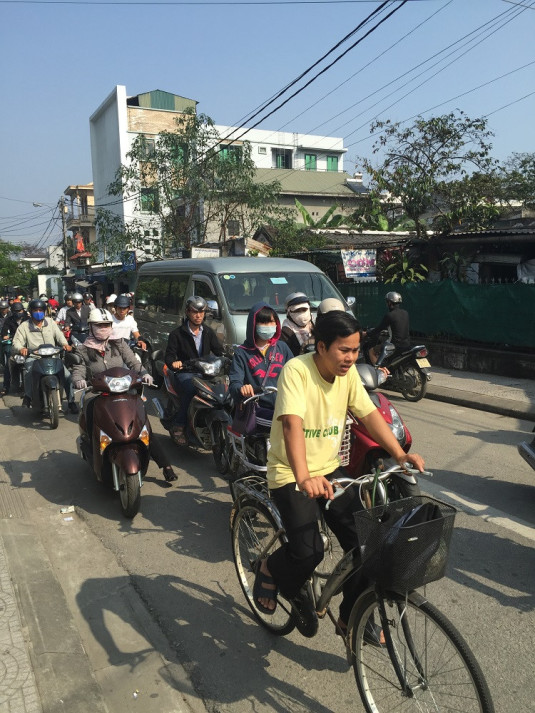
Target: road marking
point(487, 513)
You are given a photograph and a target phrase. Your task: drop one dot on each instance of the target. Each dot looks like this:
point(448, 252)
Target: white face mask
point(101, 332)
point(300, 318)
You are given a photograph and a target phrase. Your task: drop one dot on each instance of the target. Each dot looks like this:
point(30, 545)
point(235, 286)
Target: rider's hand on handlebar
point(414, 458)
point(177, 365)
point(24, 351)
point(67, 348)
point(317, 487)
point(247, 390)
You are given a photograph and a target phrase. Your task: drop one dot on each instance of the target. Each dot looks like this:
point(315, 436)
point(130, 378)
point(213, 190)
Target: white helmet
point(330, 304)
point(98, 315)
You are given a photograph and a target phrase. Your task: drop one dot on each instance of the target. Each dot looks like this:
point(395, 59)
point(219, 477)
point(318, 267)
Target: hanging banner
point(359, 264)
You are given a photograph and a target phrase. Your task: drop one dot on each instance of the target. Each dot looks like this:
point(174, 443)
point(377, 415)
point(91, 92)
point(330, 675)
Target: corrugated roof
point(295, 182)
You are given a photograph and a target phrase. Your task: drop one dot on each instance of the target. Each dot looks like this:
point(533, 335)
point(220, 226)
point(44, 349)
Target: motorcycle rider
point(124, 324)
point(100, 352)
point(297, 328)
point(4, 311)
point(76, 316)
point(262, 353)
point(190, 340)
point(62, 312)
point(32, 334)
point(397, 321)
point(88, 300)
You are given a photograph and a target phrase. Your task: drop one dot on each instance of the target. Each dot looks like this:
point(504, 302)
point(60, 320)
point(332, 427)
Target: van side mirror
point(213, 310)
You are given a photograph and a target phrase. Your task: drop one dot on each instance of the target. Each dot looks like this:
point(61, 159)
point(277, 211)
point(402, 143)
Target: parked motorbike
point(209, 409)
point(115, 434)
point(48, 381)
point(409, 371)
point(527, 451)
point(367, 456)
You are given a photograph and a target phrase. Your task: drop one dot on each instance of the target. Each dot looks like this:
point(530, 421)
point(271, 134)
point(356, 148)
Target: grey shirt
point(117, 353)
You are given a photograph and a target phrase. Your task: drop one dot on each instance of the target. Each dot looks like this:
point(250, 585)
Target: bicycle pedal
point(305, 618)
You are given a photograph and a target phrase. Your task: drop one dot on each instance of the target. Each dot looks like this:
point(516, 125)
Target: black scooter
point(48, 382)
point(209, 409)
point(409, 370)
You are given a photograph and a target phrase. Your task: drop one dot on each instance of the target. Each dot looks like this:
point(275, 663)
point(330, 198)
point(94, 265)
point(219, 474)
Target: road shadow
point(219, 635)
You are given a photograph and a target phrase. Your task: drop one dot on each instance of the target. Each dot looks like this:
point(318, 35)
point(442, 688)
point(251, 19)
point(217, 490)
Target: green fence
point(496, 315)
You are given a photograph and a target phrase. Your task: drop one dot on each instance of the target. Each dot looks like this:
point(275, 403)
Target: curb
point(481, 402)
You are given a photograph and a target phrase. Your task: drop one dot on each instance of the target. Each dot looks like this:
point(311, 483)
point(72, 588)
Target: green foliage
point(398, 266)
point(329, 220)
point(372, 214)
point(187, 183)
point(518, 178)
point(13, 273)
point(419, 157)
point(471, 203)
point(455, 266)
point(290, 237)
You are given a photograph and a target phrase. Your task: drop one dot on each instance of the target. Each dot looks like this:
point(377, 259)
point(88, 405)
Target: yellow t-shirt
point(303, 392)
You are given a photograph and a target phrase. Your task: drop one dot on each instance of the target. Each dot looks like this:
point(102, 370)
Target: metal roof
point(295, 182)
point(227, 264)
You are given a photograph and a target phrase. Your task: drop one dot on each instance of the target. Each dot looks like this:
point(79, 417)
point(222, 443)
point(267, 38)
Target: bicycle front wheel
point(438, 669)
point(254, 537)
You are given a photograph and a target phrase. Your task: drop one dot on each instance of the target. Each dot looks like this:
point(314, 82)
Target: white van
point(231, 285)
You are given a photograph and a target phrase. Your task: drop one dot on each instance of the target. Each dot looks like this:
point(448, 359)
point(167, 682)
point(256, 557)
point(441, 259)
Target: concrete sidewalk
point(507, 396)
point(44, 665)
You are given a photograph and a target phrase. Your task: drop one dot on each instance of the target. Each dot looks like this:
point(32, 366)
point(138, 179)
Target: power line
point(193, 2)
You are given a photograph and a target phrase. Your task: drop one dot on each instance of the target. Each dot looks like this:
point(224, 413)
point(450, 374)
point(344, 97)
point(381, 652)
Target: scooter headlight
point(105, 441)
point(144, 436)
point(211, 368)
point(118, 384)
point(47, 351)
point(398, 429)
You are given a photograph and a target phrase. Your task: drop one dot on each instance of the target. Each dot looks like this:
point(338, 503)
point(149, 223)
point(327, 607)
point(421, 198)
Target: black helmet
point(393, 297)
point(142, 303)
point(17, 307)
point(37, 306)
point(122, 301)
point(87, 296)
point(4, 304)
point(196, 303)
point(68, 296)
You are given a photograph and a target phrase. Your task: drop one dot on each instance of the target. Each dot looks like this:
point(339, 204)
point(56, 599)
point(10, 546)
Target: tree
point(188, 180)
point(420, 157)
point(326, 221)
point(472, 203)
point(13, 273)
point(290, 237)
point(373, 214)
point(518, 178)
point(398, 265)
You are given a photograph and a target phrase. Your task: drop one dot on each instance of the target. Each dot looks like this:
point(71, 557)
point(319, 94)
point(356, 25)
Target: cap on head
point(393, 297)
point(295, 299)
point(99, 316)
point(330, 304)
point(122, 301)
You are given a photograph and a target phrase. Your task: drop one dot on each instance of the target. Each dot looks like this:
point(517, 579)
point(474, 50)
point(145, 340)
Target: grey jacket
point(31, 337)
point(117, 353)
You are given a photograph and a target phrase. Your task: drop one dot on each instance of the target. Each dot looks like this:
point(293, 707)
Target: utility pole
point(62, 208)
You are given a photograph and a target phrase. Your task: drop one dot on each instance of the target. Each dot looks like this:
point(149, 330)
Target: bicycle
point(424, 663)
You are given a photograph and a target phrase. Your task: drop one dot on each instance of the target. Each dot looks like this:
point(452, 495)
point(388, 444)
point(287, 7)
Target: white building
point(282, 149)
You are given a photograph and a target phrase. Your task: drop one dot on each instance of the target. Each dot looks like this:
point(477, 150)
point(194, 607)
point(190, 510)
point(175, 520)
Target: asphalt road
point(177, 553)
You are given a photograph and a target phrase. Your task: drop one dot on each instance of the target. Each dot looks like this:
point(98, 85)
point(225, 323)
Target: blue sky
point(60, 61)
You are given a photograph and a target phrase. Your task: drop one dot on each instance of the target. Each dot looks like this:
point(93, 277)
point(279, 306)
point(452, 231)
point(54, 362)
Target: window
point(149, 200)
point(179, 153)
point(230, 152)
point(176, 294)
point(310, 162)
point(282, 158)
point(148, 148)
point(332, 163)
point(262, 150)
point(233, 227)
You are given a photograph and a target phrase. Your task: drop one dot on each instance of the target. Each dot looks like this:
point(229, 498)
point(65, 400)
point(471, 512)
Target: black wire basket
point(405, 544)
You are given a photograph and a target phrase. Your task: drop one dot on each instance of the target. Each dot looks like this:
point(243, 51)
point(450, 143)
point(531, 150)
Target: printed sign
point(359, 264)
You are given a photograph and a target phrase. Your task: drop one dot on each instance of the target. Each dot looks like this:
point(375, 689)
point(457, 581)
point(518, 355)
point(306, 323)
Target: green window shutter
point(310, 162)
point(332, 163)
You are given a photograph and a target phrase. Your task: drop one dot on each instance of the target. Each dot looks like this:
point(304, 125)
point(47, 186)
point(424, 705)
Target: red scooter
point(367, 456)
point(115, 434)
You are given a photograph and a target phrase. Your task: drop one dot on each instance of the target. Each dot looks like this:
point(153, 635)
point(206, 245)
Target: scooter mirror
point(213, 309)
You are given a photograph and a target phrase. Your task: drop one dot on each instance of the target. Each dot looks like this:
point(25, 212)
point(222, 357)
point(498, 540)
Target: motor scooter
point(48, 381)
point(209, 409)
point(13, 377)
point(409, 370)
point(527, 451)
point(367, 456)
point(115, 434)
point(78, 335)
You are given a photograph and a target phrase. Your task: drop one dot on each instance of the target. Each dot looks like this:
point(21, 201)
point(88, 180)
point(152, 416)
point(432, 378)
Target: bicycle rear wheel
point(439, 669)
point(254, 537)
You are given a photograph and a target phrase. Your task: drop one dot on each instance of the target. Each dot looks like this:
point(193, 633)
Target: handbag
point(244, 419)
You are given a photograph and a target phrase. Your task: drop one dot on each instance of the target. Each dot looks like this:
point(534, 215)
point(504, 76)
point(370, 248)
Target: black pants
point(292, 564)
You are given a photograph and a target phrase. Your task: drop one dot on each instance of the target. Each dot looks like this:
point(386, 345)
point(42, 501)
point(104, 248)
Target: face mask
point(38, 316)
point(265, 332)
point(300, 318)
point(101, 333)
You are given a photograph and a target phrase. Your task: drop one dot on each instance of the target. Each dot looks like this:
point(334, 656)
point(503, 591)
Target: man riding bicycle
point(315, 391)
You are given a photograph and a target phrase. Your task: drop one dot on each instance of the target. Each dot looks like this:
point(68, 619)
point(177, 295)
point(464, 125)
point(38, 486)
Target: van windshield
point(243, 291)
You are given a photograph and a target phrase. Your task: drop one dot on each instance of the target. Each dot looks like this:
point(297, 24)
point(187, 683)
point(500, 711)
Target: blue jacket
point(249, 365)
